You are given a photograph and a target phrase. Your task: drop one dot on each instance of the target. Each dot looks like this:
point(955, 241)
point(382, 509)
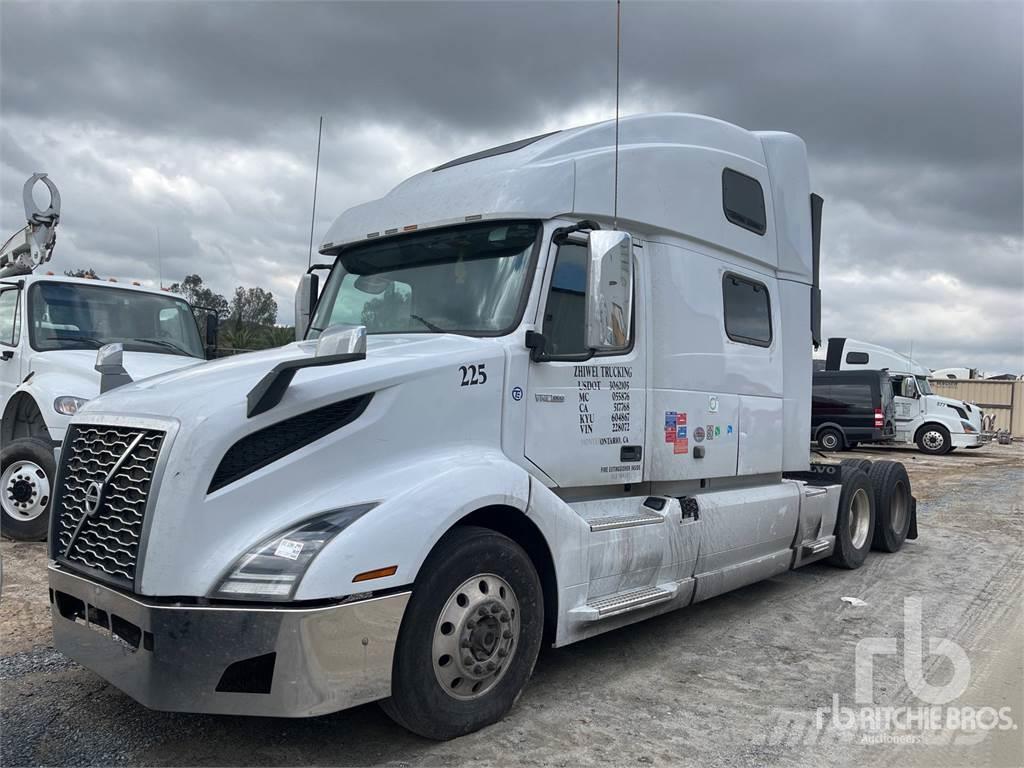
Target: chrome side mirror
point(609, 293)
point(341, 340)
point(110, 367)
point(305, 302)
point(909, 387)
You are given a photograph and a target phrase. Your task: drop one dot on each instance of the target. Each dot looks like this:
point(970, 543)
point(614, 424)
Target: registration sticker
point(288, 548)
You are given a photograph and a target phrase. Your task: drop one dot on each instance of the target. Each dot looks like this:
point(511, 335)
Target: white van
point(935, 424)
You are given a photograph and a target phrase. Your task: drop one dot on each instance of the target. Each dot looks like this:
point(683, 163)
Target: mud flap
point(912, 533)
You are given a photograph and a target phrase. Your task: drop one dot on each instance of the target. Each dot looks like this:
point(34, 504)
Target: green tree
point(87, 272)
point(202, 298)
point(253, 307)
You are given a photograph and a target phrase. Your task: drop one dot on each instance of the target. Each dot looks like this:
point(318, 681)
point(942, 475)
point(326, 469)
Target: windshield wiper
point(430, 325)
point(169, 345)
point(97, 343)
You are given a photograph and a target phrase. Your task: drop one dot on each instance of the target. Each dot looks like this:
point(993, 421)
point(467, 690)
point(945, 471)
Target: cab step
point(623, 602)
point(624, 521)
point(817, 546)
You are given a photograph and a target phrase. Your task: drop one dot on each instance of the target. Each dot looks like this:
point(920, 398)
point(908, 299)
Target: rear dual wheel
point(855, 521)
point(469, 638)
point(893, 505)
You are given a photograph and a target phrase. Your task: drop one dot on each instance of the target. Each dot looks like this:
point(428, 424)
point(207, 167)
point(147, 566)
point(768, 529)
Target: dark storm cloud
point(199, 119)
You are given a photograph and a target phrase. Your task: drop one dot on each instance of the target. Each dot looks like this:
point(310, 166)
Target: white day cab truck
point(936, 424)
point(513, 419)
point(50, 329)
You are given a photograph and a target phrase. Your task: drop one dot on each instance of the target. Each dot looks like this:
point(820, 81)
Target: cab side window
point(748, 311)
point(565, 310)
point(10, 320)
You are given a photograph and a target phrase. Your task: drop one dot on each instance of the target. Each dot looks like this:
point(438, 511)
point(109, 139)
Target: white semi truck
point(50, 329)
point(523, 411)
point(936, 424)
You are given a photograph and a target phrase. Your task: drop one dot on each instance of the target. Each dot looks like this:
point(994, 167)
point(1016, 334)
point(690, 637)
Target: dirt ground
point(735, 681)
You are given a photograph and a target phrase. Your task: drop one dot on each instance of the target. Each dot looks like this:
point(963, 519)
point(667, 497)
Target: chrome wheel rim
point(829, 440)
point(860, 518)
point(475, 636)
point(24, 491)
point(898, 508)
point(932, 440)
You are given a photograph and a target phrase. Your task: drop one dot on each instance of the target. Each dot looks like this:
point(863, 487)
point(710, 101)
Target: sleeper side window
point(10, 321)
point(565, 311)
point(743, 201)
point(748, 312)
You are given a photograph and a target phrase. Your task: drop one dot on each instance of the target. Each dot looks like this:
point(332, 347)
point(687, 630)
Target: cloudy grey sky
point(199, 119)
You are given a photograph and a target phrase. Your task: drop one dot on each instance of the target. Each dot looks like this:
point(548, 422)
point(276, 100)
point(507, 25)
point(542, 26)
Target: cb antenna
point(316, 181)
point(618, 60)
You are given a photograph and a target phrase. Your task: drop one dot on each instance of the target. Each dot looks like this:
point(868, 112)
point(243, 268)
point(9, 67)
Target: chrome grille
point(106, 474)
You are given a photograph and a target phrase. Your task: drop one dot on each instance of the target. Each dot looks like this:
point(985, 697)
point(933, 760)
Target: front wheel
point(469, 638)
point(934, 439)
point(27, 470)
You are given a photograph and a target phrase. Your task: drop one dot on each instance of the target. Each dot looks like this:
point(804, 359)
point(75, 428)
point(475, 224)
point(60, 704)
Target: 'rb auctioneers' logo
point(931, 722)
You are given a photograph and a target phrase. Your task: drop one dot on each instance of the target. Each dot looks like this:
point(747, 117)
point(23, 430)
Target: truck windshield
point(76, 316)
point(923, 385)
point(469, 280)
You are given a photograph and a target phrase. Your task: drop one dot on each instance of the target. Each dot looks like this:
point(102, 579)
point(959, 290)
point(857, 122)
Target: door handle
point(630, 453)
point(6, 354)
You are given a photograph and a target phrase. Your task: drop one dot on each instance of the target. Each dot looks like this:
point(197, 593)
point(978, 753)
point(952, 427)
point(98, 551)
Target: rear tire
point(469, 638)
point(27, 471)
point(934, 439)
point(891, 485)
point(862, 464)
point(830, 439)
point(855, 521)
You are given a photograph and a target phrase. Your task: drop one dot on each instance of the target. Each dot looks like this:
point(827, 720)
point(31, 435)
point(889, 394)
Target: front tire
point(934, 440)
point(27, 471)
point(855, 522)
point(469, 638)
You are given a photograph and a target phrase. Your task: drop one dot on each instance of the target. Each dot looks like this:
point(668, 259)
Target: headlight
point(273, 568)
point(968, 427)
point(68, 405)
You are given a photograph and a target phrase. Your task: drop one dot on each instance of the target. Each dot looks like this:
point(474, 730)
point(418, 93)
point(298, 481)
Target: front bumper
point(965, 440)
point(274, 661)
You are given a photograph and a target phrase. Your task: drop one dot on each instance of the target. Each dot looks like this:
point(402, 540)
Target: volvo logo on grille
point(93, 498)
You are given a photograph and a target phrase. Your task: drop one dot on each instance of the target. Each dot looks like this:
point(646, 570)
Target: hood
point(199, 392)
point(76, 368)
point(973, 412)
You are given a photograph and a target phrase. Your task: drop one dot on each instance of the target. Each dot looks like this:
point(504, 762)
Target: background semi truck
point(50, 329)
point(936, 424)
point(528, 407)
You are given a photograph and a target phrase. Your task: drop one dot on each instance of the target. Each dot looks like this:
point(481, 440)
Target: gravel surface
point(718, 684)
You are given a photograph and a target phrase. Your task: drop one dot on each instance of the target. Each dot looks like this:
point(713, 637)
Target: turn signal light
point(379, 573)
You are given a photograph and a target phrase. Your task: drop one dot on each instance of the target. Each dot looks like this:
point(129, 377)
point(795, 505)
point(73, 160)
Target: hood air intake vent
point(269, 444)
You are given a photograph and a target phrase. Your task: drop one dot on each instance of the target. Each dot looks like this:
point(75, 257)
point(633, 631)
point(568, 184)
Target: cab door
point(585, 413)
point(10, 333)
point(908, 409)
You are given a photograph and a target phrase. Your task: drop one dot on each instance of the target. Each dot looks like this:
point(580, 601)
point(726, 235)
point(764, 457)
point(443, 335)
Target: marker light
point(273, 568)
point(68, 405)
